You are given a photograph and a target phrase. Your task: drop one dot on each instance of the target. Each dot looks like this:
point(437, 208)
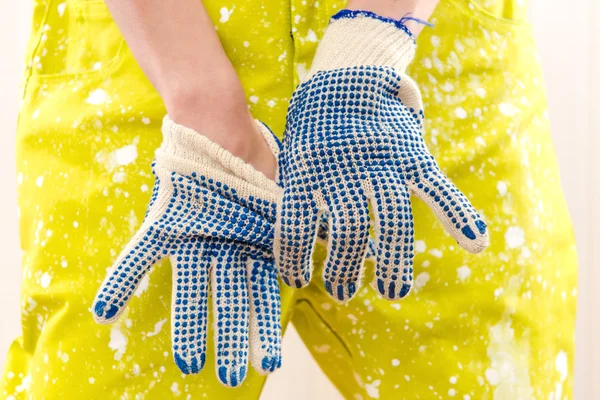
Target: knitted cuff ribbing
point(363, 38)
point(184, 150)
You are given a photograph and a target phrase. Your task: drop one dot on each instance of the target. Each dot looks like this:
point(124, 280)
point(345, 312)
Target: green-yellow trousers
point(499, 325)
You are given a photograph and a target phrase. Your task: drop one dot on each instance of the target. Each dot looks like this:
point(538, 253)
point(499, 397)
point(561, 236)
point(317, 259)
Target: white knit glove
point(353, 139)
point(212, 215)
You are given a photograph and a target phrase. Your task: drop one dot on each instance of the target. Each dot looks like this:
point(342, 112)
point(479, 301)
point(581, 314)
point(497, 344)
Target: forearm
point(178, 49)
point(176, 46)
point(396, 9)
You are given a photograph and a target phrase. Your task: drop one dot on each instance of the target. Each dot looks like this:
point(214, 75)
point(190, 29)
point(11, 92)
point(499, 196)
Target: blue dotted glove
point(353, 141)
point(213, 216)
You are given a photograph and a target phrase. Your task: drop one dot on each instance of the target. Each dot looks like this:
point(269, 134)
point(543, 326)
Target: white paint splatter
point(45, 280)
point(460, 113)
point(157, 328)
point(61, 8)
point(146, 121)
point(301, 70)
point(143, 286)
point(502, 188)
point(437, 253)
point(225, 14)
point(125, 155)
point(508, 109)
point(119, 177)
point(324, 348)
point(91, 380)
point(31, 305)
point(421, 281)
point(311, 36)
point(64, 357)
point(463, 272)
point(373, 389)
point(508, 369)
point(515, 237)
point(448, 87)
point(395, 362)
point(426, 62)
point(175, 388)
point(562, 365)
point(118, 341)
point(492, 376)
point(452, 392)
point(25, 383)
point(480, 92)
point(39, 181)
point(97, 97)
point(420, 246)
point(253, 99)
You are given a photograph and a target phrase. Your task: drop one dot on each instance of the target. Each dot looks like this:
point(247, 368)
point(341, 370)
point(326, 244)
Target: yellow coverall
point(499, 325)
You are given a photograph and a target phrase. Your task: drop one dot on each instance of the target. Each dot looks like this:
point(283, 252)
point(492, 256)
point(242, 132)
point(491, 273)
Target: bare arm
point(179, 51)
point(396, 9)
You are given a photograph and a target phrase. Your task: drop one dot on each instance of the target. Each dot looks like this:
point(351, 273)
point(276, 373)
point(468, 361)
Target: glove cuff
point(357, 37)
point(185, 151)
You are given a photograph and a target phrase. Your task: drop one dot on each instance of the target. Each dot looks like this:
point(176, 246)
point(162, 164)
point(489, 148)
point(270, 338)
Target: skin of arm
point(179, 51)
point(396, 9)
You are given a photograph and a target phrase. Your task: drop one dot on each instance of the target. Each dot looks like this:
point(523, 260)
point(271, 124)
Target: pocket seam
point(84, 9)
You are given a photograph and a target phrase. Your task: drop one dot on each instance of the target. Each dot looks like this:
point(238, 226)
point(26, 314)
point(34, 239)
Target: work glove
point(354, 140)
point(212, 215)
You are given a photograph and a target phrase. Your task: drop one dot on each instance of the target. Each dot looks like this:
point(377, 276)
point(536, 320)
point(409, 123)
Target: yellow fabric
point(499, 325)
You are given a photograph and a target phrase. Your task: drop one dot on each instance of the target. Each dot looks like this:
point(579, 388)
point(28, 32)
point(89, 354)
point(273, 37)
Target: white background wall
point(568, 36)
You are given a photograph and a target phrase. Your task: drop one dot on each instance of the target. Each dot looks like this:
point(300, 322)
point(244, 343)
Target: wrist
point(201, 98)
point(417, 9)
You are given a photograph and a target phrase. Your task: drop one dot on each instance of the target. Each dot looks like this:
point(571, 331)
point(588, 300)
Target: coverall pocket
point(497, 15)
point(79, 40)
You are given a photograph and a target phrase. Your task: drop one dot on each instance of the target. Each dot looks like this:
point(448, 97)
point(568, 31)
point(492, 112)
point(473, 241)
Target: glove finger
point(395, 237)
point(348, 241)
point(143, 251)
point(295, 235)
point(265, 315)
point(452, 208)
point(230, 308)
point(190, 306)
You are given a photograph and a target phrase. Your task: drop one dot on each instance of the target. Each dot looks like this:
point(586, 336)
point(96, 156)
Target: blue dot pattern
point(217, 241)
point(351, 142)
